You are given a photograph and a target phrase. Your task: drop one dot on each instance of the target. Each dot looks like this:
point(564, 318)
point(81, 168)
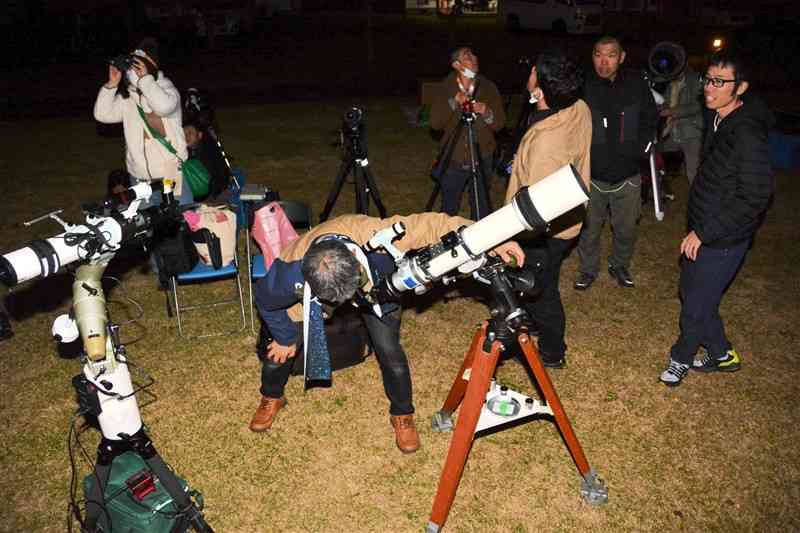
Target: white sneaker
point(674, 373)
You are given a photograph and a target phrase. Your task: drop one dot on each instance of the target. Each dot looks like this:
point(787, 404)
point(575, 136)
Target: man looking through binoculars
point(325, 268)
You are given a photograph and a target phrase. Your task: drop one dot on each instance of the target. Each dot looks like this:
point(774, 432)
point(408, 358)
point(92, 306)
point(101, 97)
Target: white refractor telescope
point(532, 209)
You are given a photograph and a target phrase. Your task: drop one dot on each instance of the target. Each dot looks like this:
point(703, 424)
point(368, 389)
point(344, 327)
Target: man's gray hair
point(455, 55)
point(332, 271)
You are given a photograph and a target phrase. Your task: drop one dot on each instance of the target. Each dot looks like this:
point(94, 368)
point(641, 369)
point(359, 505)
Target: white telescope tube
point(550, 198)
point(27, 264)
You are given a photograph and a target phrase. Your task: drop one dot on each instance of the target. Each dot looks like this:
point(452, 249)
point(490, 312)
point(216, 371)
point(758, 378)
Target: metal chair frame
point(202, 274)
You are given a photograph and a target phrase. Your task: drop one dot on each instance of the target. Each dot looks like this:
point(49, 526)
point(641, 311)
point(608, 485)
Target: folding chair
point(299, 214)
point(203, 274)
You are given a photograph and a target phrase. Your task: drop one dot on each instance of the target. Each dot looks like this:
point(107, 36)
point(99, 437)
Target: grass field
point(718, 453)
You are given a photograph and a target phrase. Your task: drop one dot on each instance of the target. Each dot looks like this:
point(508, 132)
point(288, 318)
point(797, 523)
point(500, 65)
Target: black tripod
point(355, 161)
point(477, 183)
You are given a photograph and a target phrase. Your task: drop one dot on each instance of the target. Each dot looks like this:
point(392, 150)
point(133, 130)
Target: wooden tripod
point(470, 387)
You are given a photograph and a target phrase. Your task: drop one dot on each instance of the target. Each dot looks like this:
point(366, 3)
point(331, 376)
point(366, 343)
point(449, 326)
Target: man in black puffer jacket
point(624, 118)
point(727, 203)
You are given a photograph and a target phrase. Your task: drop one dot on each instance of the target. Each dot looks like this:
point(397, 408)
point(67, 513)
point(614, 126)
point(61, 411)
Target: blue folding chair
point(202, 274)
point(299, 214)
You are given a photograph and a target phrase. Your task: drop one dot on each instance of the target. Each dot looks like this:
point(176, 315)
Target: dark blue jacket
point(282, 287)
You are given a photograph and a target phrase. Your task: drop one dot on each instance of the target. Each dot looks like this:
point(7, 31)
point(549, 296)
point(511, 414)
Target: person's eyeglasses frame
point(716, 82)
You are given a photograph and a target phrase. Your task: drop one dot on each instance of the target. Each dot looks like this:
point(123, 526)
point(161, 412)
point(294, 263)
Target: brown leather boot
point(265, 414)
point(405, 433)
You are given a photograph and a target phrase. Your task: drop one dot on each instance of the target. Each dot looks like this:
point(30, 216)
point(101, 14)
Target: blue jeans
point(385, 336)
point(703, 282)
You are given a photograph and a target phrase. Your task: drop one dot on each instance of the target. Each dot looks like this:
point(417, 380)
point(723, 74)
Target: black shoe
point(731, 362)
point(553, 362)
point(621, 275)
point(584, 281)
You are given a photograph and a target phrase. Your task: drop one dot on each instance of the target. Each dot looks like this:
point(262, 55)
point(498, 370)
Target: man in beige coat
point(560, 134)
point(330, 264)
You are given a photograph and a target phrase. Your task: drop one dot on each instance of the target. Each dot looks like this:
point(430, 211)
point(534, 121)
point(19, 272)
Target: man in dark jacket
point(727, 203)
point(624, 118)
point(462, 90)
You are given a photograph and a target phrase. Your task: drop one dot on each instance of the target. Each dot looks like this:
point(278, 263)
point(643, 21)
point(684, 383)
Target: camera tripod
point(477, 182)
point(507, 325)
point(355, 161)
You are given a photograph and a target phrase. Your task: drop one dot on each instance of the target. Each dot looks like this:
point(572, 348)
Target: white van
point(570, 16)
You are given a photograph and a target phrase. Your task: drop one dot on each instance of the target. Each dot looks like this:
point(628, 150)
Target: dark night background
point(286, 50)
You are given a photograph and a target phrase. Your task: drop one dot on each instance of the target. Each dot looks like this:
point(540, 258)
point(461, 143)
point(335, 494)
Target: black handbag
point(210, 239)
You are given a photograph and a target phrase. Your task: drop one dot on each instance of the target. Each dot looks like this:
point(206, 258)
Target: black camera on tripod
point(353, 141)
point(353, 122)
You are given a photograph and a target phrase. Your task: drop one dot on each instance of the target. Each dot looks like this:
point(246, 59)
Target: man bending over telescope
point(340, 261)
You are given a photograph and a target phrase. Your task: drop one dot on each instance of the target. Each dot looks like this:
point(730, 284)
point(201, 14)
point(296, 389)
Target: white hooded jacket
point(154, 94)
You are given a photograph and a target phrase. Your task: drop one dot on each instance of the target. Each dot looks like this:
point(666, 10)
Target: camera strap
point(156, 135)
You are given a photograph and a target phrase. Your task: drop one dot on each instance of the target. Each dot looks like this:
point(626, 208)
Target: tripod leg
point(336, 189)
point(191, 515)
point(593, 489)
point(372, 189)
point(442, 420)
point(95, 499)
point(483, 366)
point(479, 188)
point(362, 198)
point(107, 451)
point(429, 206)
point(189, 512)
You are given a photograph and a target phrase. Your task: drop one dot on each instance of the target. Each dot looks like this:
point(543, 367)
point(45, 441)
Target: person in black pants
point(727, 203)
point(560, 134)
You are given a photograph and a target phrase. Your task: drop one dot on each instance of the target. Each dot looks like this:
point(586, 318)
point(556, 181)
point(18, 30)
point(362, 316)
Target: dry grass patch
point(717, 454)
